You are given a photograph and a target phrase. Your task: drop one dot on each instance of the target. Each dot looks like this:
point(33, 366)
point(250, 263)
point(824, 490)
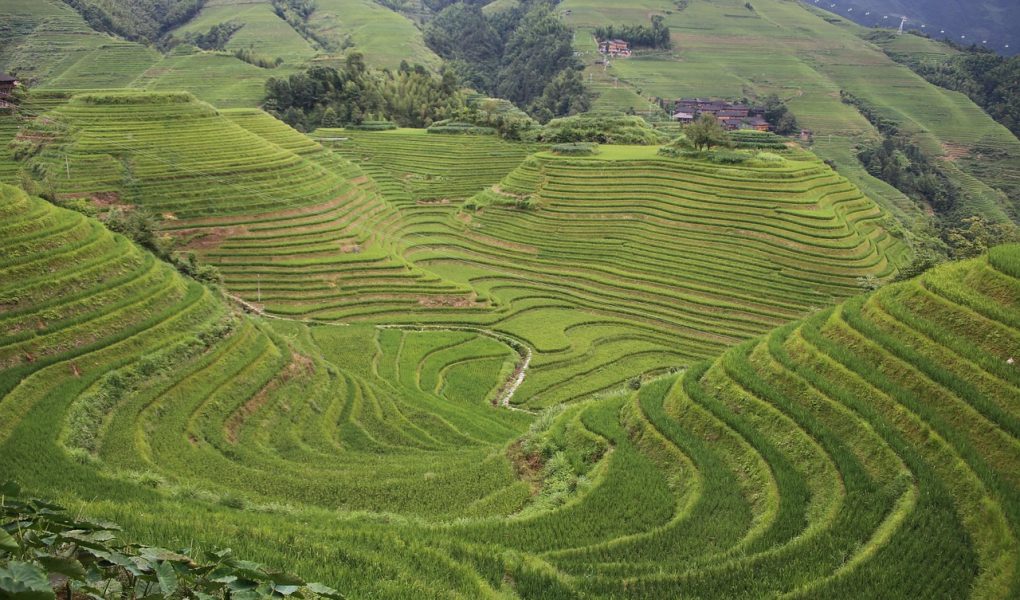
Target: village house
point(619, 48)
point(684, 118)
point(7, 84)
point(731, 116)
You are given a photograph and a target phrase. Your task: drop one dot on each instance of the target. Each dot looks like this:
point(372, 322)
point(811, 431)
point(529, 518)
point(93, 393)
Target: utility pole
point(258, 287)
point(903, 21)
point(67, 166)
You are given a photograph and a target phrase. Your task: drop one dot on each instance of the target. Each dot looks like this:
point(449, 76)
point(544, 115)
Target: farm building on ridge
point(615, 47)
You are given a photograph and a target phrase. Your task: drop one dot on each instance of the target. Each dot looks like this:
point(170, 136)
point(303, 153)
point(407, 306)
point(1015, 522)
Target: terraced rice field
point(384, 36)
point(412, 165)
point(626, 264)
point(826, 459)
point(631, 262)
point(262, 30)
point(290, 226)
point(51, 46)
point(46, 40)
point(812, 55)
point(215, 77)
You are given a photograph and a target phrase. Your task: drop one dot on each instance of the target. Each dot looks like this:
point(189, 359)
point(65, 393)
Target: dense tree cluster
point(639, 36)
point(904, 166)
point(296, 14)
point(507, 119)
point(972, 237)
point(524, 54)
point(782, 120)
point(252, 57)
point(705, 133)
point(137, 19)
point(216, 38)
point(463, 35)
point(327, 97)
point(602, 129)
point(438, 5)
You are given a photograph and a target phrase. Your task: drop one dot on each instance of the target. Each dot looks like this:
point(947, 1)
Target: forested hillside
point(523, 54)
point(137, 19)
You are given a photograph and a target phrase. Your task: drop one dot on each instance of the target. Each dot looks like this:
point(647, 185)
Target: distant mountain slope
point(49, 44)
point(141, 20)
point(963, 21)
point(384, 36)
point(42, 40)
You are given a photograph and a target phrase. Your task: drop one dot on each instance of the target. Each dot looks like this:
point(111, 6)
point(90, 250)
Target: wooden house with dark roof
point(7, 84)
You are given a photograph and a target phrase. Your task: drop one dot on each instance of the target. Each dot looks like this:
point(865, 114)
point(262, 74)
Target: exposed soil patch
point(102, 200)
point(445, 301)
point(25, 136)
point(211, 237)
point(955, 152)
point(519, 197)
point(299, 365)
point(527, 467)
point(432, 201)
point(465, 218)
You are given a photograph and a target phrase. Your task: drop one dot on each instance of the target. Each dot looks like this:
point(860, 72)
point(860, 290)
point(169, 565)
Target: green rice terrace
point(454, 366)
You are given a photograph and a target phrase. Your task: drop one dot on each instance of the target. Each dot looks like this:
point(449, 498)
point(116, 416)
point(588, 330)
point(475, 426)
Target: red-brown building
point(615, 48)
point(730, 115)
point(7, 84)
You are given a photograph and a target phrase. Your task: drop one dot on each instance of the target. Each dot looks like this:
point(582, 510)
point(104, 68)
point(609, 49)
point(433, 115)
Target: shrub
point(603, 129)
point(460, 128)
point(757, 140)
point(728, 157)
point(373, 126)
point(577, 149)
point(769, 157)
point(136, 98)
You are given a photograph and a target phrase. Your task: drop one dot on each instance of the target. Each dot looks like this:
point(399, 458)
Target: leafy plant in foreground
point(45, 551)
